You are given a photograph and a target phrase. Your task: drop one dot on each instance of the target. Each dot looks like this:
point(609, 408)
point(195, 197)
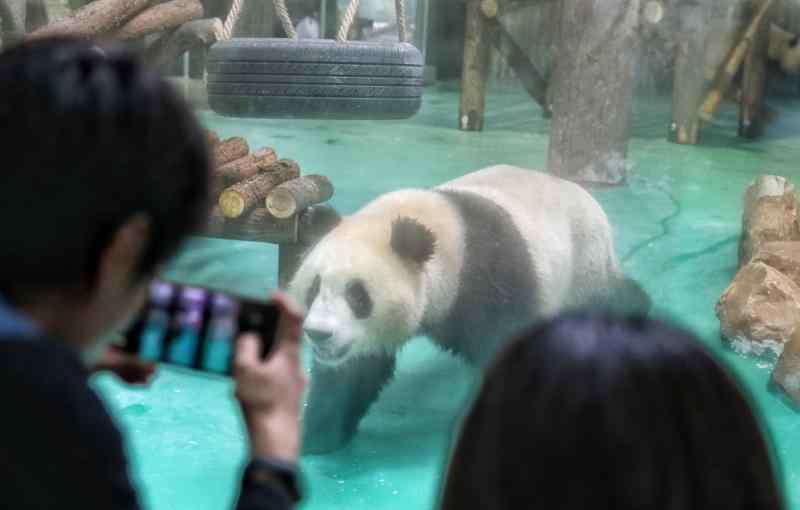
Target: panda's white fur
point(563, 236)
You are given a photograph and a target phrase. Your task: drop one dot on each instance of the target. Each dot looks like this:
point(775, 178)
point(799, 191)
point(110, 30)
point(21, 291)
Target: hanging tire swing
point(314, 78)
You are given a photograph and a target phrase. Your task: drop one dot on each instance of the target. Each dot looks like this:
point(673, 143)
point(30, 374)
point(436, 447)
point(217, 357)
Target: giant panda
point(466, 263)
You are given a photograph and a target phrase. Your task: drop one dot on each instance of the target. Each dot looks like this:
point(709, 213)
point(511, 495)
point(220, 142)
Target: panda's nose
point(318, 335)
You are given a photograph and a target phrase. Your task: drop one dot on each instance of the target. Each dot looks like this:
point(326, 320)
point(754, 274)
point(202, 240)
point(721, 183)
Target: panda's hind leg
point(338, 399)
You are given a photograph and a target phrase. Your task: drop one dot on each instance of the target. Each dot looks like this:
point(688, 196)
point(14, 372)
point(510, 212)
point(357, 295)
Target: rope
point(286, 21)
point(402, 27)
point(347, 20)
point(230, 21)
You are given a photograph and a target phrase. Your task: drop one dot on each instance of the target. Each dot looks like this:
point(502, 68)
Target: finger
point(287, 305)
point(290, 323)
point(135, 372)
point(248, 346)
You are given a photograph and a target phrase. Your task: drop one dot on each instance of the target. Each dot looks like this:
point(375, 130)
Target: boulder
point(770, 214)
point(760, 310)
point(783, 256)
point(786, 375)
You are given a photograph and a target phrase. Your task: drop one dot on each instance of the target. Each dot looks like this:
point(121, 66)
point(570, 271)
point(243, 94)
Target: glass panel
point(665, 111)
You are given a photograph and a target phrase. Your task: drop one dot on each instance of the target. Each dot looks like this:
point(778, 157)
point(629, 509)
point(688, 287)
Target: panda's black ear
point(793, 41)
point(412, 240)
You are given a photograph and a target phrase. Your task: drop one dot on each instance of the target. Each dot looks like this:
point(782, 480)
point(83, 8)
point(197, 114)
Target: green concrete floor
point(676, 225)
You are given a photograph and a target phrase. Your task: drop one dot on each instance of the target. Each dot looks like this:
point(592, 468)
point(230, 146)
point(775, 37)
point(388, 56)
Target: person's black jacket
point(58, 445)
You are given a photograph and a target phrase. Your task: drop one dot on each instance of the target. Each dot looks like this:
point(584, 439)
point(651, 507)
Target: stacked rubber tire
point(313, 78)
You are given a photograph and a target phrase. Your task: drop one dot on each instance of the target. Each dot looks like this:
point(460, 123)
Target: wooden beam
point(475, 72)
point(731, 65)
point(593, 90)
point(160, 17)
point(93, 19)
point(515, 56)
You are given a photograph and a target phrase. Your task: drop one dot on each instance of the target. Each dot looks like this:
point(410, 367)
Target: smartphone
point(196, 327)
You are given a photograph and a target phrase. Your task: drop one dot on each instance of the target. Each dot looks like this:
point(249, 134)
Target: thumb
point(247, 349)
point(290, 324)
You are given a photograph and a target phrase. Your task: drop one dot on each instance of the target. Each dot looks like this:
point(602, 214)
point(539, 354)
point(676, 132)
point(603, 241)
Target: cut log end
point(281, 203)
point(653, 11)
point(231, 204)
point(298, 194)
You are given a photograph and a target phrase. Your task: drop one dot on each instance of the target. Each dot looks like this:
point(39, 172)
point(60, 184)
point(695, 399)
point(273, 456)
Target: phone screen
point(195, 327)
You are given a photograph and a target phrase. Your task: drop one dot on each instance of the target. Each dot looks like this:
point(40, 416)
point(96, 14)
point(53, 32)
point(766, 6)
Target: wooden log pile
point(166, 29)
point(259, 197)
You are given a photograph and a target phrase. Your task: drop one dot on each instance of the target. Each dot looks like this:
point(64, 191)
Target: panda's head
point(362, 287)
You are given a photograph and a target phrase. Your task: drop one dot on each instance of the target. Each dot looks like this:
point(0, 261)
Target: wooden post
point(256, 20)
point(38, 14)
point(475, 72)
point(13, 14)
point(593, 90)
point(754, 81)
point(689, 79)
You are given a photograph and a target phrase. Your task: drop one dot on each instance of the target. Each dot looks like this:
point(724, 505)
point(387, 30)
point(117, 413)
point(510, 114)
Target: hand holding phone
point(196, 327)
point(270, 390)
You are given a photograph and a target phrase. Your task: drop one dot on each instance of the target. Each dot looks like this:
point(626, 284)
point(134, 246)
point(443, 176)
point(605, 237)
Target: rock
point(783, 256)
point(769, 218)
point(760, 310)
point(765, 186)
point(786, 375)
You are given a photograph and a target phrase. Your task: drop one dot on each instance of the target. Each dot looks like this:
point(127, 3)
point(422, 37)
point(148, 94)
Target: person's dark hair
point(592, 411)
point(90, 139)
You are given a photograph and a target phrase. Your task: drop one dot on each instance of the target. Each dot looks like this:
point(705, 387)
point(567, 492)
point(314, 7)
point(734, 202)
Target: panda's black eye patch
point(358, 299)
point(313, 291)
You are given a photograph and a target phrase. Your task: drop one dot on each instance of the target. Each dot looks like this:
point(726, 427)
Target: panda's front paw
point(318, 440)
